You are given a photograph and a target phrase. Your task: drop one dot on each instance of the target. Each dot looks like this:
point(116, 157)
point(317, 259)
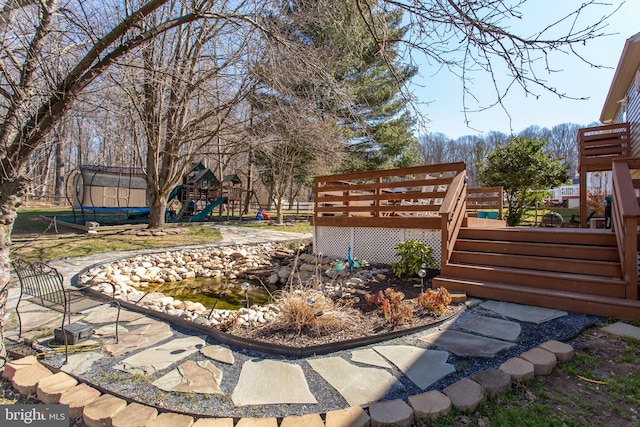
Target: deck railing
point(483, 198)
point(429, 197)
point(452, 213)
point(625, 217)
point(397, 198)
point(599, 146)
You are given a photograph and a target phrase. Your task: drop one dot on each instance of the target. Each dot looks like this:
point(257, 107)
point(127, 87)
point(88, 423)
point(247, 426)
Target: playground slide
point(144, 212)
point(211, 206)
point(174, 193)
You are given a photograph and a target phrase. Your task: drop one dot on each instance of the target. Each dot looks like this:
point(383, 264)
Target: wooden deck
point(570, 269)
point(582, 270)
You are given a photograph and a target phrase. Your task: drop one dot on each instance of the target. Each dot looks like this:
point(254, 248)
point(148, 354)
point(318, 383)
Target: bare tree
point(480, 40)
point(49, 55)
point(562, 142)
point(184, 91)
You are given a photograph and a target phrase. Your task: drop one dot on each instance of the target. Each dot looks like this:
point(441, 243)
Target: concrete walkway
point(179, 362)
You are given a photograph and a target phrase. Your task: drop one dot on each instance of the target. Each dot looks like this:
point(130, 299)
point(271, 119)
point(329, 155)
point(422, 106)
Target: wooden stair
point(569, 269)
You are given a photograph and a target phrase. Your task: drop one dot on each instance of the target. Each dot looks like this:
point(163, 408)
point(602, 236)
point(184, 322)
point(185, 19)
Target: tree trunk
point(157, 207)
point(279, 216)
point(10, 199)
point(45, 173)
point(58, 192)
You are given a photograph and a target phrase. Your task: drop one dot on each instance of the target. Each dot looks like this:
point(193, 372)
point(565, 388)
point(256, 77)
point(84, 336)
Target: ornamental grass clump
point(306, 310)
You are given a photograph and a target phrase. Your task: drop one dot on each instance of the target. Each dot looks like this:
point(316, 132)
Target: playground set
point(112, 195)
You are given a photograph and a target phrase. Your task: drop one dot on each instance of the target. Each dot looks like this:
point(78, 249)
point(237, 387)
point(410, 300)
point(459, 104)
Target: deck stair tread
point(570, 251)
point(570, 269)
point(538, 262)
point(590, 284)
point(542, 235)
point(559, 299)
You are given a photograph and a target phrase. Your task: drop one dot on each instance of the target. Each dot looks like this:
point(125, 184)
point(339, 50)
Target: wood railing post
point(631, 257)
point(501, 203)
point(625, 214)
point(583, 198)
point(376, 200)
point(444, 244)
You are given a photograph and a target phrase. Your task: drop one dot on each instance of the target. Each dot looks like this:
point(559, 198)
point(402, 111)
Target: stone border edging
point(250, 344)
point(276, 349)
point(27, 374)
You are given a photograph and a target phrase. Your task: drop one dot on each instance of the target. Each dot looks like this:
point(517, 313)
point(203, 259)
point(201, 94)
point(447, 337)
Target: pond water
point(210, 292)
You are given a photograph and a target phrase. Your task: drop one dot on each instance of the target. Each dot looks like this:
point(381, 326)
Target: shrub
point(392, 305)
point(412, 255)
point(437, 300)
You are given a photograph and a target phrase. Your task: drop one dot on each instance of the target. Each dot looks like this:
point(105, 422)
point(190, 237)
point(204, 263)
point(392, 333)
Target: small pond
point(224, 294)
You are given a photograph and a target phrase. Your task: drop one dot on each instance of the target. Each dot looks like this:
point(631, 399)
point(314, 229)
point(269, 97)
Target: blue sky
point(443, 91)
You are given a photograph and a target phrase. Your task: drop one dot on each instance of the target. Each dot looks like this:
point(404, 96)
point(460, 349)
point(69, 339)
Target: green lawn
point(38, 240)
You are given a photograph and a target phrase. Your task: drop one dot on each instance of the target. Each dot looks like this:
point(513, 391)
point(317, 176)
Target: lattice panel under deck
point(372, 244)
point(376, 244)
point(333, 242)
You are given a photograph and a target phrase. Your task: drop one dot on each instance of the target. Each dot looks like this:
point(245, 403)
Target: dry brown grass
point(308, 311)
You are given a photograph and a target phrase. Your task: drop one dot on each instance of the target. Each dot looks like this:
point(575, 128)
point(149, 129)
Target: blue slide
point(175, 192)
point(211, 206)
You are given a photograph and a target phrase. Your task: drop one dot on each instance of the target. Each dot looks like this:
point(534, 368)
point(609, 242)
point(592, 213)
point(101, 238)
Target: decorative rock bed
point(272, 264)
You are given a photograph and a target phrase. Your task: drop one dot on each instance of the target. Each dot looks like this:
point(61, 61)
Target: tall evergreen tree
point(378, 121)
point(355, 86)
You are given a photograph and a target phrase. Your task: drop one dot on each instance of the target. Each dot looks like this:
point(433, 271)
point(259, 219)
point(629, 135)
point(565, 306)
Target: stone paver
point(271, 382)
point(160, 357)
point(257, 422)
point(136, 339)
point(353, 416)
point(218, 353)
point(467, 345)
point(310, 420)
point(465, 395)
point(134, 415)
point(171, 420)
point(77, 398)
point(623, 329)
point(100, 412)
point(50, 388)
point(518, 369)
point(214, 422)
point(391, 413)
point(543, 361)
point(505, 330)
point(369, 357)
point(192, 377)
point(12, 367)
point(525, 313)
point(358, 385)
point(562, 351)
point(422, 367)
point(430, 405)
point(493, 380)
point(107, 314)
point(35, 317)
point(25, 380)
point(81, 363)
point(354, 382)
point(109, 330)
